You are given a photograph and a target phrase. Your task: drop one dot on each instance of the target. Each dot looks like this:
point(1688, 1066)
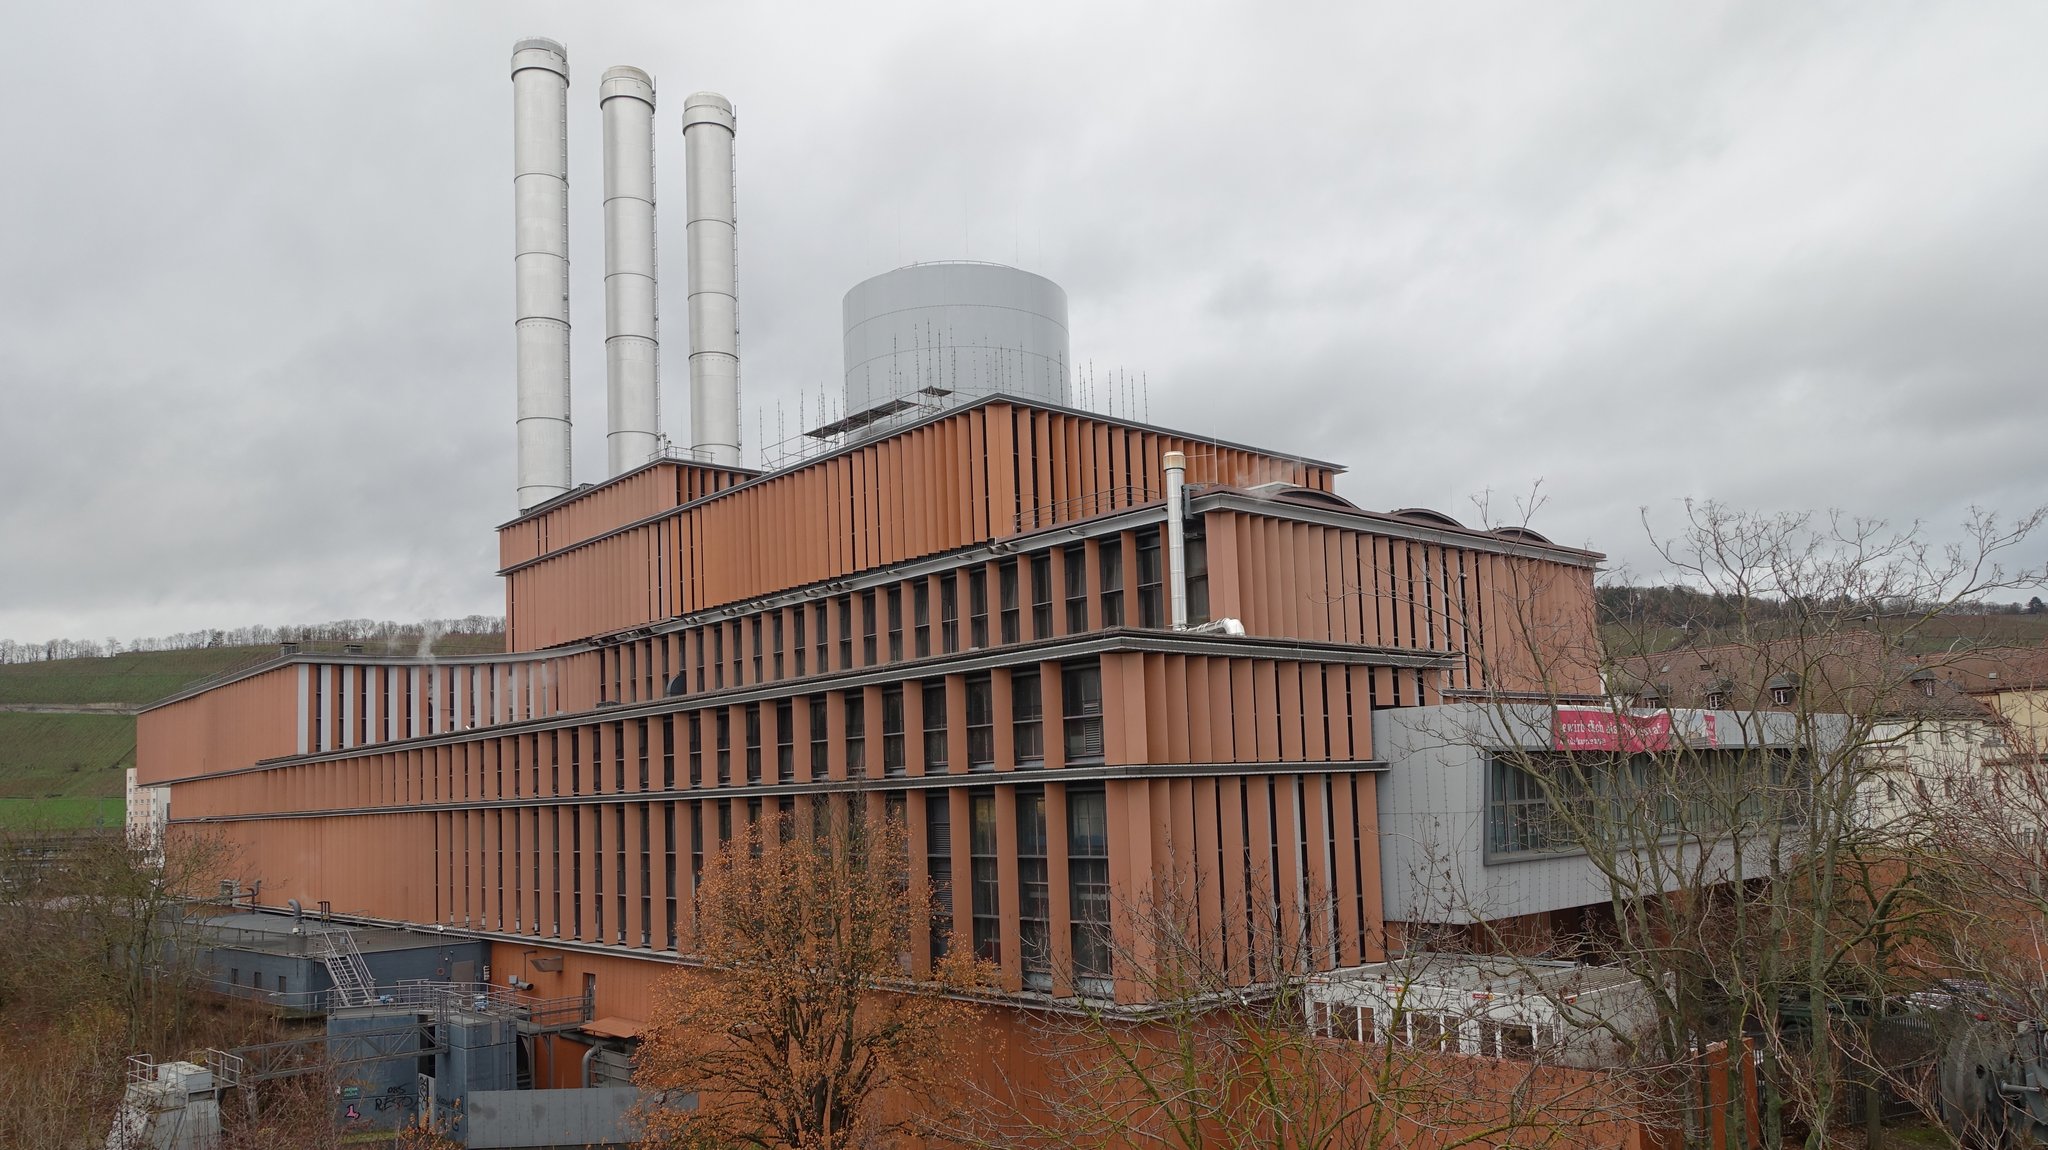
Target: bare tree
point(1204, 1057)
point(1723, 782)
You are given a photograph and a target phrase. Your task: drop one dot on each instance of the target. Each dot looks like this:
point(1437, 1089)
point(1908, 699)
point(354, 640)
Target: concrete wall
point(1432, 809)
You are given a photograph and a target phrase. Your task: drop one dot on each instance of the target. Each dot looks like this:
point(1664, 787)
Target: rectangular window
point(856, 734)
point(696, 749)
point(756, 630)
point(977, 608)
point(722, 723)
point(785, 740)
point(938, 846)
point(1088, 890)
point(753, 742)
point(867, 628)
point(1197, 553)
point(1041, 595)
point(739, 661)
point(1027, 716)
point(775, 635)
point(1151, 610)
point(1006, 584)
point(988, 923)
point(821, 737)
point(845, 632)
point(1110, 560)
point(981, 724)
point(921, 617)
point(796, 622)
point(1034, 900)
point(717, 656)
point(949, 614)
point(696, 642)
point(1081, 710)
point(893, 760)
point(935, 727)
point(894, 603)
point(821, 631)
point(1075, 563)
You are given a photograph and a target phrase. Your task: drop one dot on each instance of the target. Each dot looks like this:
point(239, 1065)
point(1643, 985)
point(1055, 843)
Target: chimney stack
point(714, 307)
point(540, 258)
point(632, 340)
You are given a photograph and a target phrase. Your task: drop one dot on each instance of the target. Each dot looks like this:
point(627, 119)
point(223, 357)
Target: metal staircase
point(352, 983)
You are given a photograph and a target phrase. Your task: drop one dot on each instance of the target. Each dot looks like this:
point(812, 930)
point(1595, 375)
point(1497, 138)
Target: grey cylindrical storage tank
point(940, 334)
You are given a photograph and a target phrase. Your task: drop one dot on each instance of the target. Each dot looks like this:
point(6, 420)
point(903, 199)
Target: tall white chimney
point(540, 260)
point(714, 306)
point(632, 341)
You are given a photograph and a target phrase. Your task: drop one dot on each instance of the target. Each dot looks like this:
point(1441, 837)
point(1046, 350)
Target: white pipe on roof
point(632, 338)
point(714, 304)
point(540, 260)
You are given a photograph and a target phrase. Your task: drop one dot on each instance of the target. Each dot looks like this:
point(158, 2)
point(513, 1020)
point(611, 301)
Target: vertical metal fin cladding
point(714, 305)
point(632, 340)
point(540, 260)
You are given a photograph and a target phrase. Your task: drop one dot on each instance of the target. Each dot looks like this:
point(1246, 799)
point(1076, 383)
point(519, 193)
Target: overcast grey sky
point(256, 293)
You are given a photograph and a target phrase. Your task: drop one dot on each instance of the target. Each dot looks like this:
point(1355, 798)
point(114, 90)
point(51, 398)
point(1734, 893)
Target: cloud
point(254, 332)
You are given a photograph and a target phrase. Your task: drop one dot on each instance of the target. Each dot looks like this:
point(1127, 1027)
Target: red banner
point(1599, 729)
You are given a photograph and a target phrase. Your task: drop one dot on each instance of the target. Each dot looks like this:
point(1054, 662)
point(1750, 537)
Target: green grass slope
point(61, 770)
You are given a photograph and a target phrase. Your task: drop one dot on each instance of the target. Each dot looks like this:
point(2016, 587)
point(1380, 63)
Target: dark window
point(1151, 611)
point(938, 847)
point(785, 740)
point(935, 727)
point(697, 645)
point(845, 633)
point(756, 629)
point(718, 656)
point(1088, 890)
point(1006, 584)
point(856, 734)
point(668, 756)
point(1076, 566)
point(921, 617)
point(1110, 556)
point(867, 628)
point(1198, 579)
point(1034, 901)
point(981, 724)
point(738, 661)
point(1041, 595)
point(696, 749)
point(1081, 708)
point(775, 634)
point(895, 608)
point(988, 930)
point(821, 736)
point(1027, 715)
point(796, 622)
point(949, 614)
point(821, 632)
point(723, 724)
point(893, 761)
point(977, 607)
point(753, 742)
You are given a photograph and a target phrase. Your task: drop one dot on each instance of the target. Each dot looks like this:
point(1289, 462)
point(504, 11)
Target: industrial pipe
point(632, 338)
point(540, 261)
point(1176, 536)
point(714, 302)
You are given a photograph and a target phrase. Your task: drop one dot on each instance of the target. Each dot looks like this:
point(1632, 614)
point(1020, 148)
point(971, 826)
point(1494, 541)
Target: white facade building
point(149, 813)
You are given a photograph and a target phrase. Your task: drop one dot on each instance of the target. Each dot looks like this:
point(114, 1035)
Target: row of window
point(563, 873)
point(1035, 596)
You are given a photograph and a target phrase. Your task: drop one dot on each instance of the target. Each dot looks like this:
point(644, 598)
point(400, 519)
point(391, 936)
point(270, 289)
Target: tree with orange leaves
point(799, 1027)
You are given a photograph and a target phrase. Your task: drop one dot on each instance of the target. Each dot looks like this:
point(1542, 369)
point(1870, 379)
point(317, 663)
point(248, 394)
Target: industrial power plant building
point(1085, 660)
